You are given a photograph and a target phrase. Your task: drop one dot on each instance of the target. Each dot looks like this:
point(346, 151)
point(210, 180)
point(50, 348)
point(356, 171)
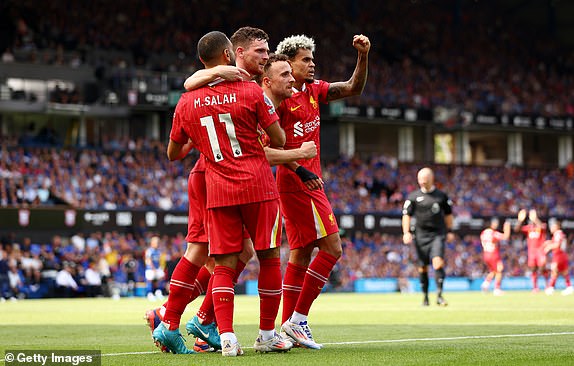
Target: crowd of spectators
point(112, 263)
point(140, 177)
point(455, 54)
point(381, 184)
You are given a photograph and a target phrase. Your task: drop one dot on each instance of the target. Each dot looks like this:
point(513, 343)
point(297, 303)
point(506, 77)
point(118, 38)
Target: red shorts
point(491, 262)
point(536, 259)
point(308, 217)
point(561, 263)
point(262, 220)
point(196, 228)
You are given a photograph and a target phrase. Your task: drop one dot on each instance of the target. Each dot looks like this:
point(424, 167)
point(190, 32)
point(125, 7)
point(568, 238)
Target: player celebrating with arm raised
point(535, 232)
point(309, 218)
point(221, 120)
point(490, 239)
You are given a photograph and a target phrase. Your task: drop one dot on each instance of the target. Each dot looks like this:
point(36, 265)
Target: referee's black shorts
point(429, 247)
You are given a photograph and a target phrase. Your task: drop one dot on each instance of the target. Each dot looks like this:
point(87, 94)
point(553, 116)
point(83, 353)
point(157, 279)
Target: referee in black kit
point(432, 210)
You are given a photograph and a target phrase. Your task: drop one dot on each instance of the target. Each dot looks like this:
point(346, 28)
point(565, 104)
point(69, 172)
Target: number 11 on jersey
point(209, 124)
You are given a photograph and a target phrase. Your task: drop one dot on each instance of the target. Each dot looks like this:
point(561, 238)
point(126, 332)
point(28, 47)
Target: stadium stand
point(499, 67)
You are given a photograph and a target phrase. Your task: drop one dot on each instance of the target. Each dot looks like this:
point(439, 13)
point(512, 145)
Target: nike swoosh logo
point(293, 109)
point(206, 335)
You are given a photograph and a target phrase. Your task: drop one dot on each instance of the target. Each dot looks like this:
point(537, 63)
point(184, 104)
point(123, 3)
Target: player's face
point(303, 66)
point(254, 57)
point(280, 79)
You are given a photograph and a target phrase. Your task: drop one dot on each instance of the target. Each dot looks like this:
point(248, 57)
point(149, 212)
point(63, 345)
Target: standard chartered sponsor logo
point(298, 129)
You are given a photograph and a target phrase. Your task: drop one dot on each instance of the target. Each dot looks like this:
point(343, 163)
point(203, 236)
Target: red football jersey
point(301, 120)
point(560, 238)
point(489, 239)
point(222, 120)
point(199, 166)
point(535, 237)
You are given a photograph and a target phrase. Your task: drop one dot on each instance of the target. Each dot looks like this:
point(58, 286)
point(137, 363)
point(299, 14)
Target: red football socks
point(205, 313)
point(223, 297)
point(201, 282)
point(181, 288)
point(269, 286)
point(315, 278)
point(292, 285)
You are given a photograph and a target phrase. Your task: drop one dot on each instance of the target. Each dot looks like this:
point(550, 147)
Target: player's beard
point(309, 81)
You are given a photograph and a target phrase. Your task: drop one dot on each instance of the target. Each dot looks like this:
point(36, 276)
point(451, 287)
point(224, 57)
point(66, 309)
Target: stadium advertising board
point(447, 116)
point(69, 220)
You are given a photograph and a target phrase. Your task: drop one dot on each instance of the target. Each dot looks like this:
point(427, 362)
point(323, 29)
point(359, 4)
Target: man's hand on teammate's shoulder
point(361, 43)
point(232, 73)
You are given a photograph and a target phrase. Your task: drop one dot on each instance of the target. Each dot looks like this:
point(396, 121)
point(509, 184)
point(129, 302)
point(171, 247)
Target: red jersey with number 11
point(222, 120)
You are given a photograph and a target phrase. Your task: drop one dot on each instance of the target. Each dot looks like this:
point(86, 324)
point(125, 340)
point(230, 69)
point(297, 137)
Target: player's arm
point(311, 180)
point(550, 245)
point(307, 150)
point(206, 76)
point(147, 260)
point(177, 151)
point(521, 218)
point(506, 231)
point(356, 84)
point(276, 135)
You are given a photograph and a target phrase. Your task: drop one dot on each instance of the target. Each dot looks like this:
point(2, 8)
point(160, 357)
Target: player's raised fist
point(522, 215)
point(361, 43)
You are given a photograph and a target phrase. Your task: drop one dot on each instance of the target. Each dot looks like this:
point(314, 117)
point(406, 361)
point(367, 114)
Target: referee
point(432, 210)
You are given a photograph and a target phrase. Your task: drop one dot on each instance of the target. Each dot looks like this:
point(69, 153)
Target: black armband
point(305, 174)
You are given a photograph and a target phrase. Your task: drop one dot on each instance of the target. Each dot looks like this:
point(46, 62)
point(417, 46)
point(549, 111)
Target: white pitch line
point(388, 341)
point(456, 338)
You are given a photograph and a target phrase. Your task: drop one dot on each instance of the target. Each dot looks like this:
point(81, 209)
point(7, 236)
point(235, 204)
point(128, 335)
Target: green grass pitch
point(519, 328)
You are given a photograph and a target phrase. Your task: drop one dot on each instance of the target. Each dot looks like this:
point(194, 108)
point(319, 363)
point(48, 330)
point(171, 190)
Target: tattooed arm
point(356, 84)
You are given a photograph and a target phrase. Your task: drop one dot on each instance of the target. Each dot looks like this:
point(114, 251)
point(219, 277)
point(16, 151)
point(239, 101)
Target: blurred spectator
point(66, 285)
point(93, 280)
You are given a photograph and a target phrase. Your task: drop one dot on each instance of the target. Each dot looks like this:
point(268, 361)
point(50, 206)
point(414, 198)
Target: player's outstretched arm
point(205, 76)
point(307, 150)
point(356, 84)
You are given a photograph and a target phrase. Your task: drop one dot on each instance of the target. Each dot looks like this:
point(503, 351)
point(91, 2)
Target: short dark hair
point(274, 57)
point(211, 45)
point(245, 35)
